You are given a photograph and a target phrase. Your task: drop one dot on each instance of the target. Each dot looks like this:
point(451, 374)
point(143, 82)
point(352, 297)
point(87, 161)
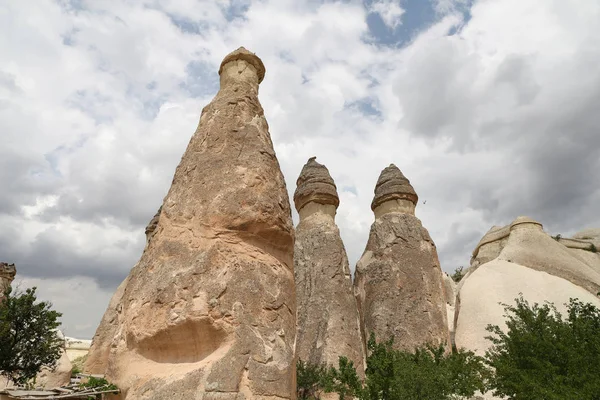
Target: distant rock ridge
point(327, 317)
point(537, 252)
point(209, 311)
point(398, 282)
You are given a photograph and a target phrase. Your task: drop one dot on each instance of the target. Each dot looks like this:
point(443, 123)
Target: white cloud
point(390, 12)
point(97, 104)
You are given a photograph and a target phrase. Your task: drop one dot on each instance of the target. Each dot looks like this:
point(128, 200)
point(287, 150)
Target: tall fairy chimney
point(209, 311)
point(328, 323)
point(398, 282)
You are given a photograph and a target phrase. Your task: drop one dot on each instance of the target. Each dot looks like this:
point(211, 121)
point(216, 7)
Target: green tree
point(343, 380)
point(458, 274)
point(428, 373)
point(28, 340)
point(311, 379)
point(543, 356)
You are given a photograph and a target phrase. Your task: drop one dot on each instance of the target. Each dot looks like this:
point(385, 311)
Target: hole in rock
point(188, 342)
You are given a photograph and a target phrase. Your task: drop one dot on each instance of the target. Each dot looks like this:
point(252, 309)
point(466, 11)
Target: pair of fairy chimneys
point(316, 190)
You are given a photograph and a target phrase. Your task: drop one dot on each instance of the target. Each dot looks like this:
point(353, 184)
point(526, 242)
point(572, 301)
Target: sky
point(489, 107)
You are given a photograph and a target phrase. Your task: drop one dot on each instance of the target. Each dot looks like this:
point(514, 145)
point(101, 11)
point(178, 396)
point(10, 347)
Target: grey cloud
point(52, 256)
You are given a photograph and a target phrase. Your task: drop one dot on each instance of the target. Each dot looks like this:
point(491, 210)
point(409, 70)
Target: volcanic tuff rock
point(521, 258)
point(398, 282)
point(209, 311)
point(7, 274)
point(97, 359)
point(327, 318)
point(59, 375)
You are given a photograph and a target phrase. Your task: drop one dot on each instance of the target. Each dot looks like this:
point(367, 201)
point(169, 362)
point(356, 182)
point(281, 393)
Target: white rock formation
point(522, 258)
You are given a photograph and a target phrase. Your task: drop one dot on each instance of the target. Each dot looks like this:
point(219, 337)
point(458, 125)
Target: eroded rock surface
point(399, 283)
point(60, 375)
point(521, 258)
point(209, 311)
point(7, 275)
point(328, 322)
point(106, 334)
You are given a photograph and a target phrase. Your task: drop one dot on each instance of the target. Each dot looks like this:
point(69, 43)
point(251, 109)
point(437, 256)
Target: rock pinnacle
point(393, 185)
point(315, 185)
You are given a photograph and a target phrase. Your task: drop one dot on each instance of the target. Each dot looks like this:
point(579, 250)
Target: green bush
point(428, 373)
point(98, 383)
point(543, 356)
point(457, 275)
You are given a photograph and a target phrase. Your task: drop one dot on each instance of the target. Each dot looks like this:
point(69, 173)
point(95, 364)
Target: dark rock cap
point(392, 185)
point(249, 57)
point(315, 184)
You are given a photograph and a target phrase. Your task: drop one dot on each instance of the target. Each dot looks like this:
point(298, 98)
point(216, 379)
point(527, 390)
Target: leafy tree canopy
point(28, 339)
point(428, 373)
point(545, 356)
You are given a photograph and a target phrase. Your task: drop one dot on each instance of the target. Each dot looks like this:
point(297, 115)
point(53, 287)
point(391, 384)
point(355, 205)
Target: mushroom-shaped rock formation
point(327, 318)
point(399, 284)
point(393, 193)
point(209, 310)
point(315, 186)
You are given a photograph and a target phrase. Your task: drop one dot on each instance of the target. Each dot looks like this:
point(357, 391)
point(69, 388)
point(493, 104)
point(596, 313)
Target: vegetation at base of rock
point(543, 356)
point(428, 373)
point(310, 379)
point(593, 248)
point(458, 274)
point(28, 336)
point(78, 364)
point(98, 383)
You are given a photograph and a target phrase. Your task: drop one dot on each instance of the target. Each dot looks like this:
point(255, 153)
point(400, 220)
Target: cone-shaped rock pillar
point(209, 310)
point(398, 282)
point(328, 323)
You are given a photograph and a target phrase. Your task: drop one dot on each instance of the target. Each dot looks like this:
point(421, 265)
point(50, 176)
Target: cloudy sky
point(491, 108)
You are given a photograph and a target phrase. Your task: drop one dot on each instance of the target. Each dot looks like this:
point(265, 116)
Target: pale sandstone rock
point(500, 281)
point(106, 334)
point(7, 274)
point(103, 340)
point(591, 235)
point(520, 258)
point(327, 317)
point(398, 283)
point(530, 246)
point(450, 297)
point(209, 311)
point(58, 376)
point(449, 289)
point(151, 228)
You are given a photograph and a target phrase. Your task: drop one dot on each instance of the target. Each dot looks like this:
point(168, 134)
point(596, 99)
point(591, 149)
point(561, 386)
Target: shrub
point(543, 356)
point(458, 274)
point(428, 373)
